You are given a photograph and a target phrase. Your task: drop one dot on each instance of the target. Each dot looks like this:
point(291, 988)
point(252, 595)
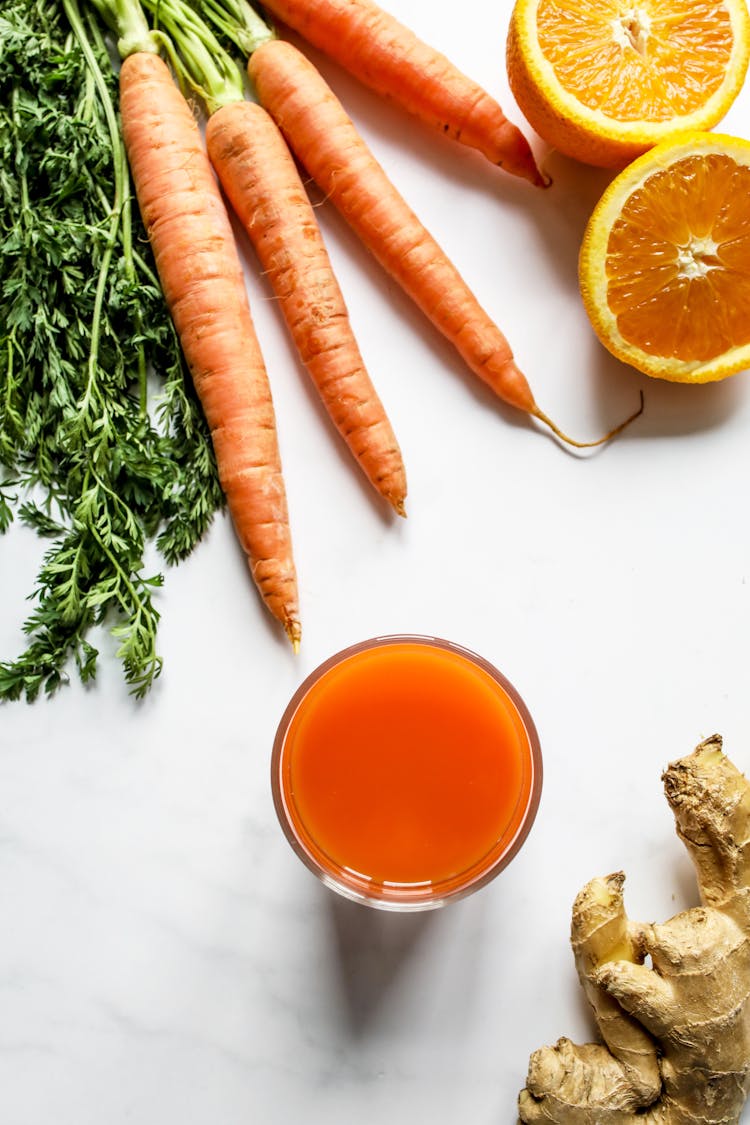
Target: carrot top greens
point(199, 60)
point(103, 449)
point(239, 22)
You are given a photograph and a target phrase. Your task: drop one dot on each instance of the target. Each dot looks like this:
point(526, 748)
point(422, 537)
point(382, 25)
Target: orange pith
point(678, 260)
point(649, 60)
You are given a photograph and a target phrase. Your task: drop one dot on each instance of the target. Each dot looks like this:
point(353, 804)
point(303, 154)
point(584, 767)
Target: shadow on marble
point(374, 949)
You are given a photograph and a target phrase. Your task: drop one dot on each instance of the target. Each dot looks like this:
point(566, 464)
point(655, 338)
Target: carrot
point(390, 59)
point(326, 142)
point(261, 181)
point(203, 283)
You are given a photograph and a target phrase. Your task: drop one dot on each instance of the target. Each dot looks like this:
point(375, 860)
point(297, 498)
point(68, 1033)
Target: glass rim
point(407, 898)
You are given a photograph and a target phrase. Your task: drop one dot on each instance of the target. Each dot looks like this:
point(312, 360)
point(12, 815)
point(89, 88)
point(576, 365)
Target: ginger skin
point(675, 1044)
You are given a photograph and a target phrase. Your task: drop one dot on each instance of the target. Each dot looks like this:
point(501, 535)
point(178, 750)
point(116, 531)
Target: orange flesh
point(678, 260)
point(644, 60)
point(406, 764)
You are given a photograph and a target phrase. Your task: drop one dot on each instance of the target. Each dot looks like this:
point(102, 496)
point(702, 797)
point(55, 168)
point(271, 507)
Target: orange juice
point(406, 771)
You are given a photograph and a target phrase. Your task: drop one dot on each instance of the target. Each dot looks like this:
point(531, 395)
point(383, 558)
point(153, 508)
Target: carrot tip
point(399, 507)
point(542, 417)
point(539, 178)
point(519, 160)
point(294, 632)
point(526, 171)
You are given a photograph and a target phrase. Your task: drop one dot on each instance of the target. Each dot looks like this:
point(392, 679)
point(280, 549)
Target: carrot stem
point(119, 217)
point(239, 22)
point(200, 61)
point(128, 22)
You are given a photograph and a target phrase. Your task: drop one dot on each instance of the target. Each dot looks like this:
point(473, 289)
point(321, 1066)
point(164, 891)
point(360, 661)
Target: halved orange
point(603, 80)
point(664, 266)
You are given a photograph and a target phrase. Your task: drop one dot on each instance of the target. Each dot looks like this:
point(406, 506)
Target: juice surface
point(406, 764)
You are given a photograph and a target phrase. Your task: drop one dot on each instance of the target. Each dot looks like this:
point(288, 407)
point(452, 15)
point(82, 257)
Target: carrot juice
point(406, 771)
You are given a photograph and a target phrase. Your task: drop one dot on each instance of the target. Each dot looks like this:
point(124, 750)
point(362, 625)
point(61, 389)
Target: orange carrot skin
point(261, 181)
point(390, 59)
point(203, 283)
point(326, 142)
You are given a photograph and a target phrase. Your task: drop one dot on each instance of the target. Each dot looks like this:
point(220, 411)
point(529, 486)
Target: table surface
point(164, 956)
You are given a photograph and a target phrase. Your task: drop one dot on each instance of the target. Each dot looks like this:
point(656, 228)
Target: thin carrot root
point(542, 417)
point(203, 283)
point(390, 59)
point(260, 179)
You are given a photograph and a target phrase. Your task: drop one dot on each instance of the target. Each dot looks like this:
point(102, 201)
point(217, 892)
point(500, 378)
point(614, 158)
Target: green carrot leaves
point(102, 446)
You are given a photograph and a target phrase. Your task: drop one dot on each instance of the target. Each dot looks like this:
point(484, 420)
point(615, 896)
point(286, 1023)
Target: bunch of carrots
point(251, 147)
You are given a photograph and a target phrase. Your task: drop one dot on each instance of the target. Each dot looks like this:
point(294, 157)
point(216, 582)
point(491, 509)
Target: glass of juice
point(406, 772)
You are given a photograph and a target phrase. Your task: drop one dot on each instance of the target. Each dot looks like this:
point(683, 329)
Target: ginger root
point(675, 1035)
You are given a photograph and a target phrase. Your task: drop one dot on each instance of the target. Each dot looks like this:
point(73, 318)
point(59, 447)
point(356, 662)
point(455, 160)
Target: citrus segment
point(665, 260)
point(603, 80)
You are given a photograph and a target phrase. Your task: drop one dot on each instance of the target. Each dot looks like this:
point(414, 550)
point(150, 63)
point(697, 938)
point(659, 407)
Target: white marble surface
point(164, 957)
